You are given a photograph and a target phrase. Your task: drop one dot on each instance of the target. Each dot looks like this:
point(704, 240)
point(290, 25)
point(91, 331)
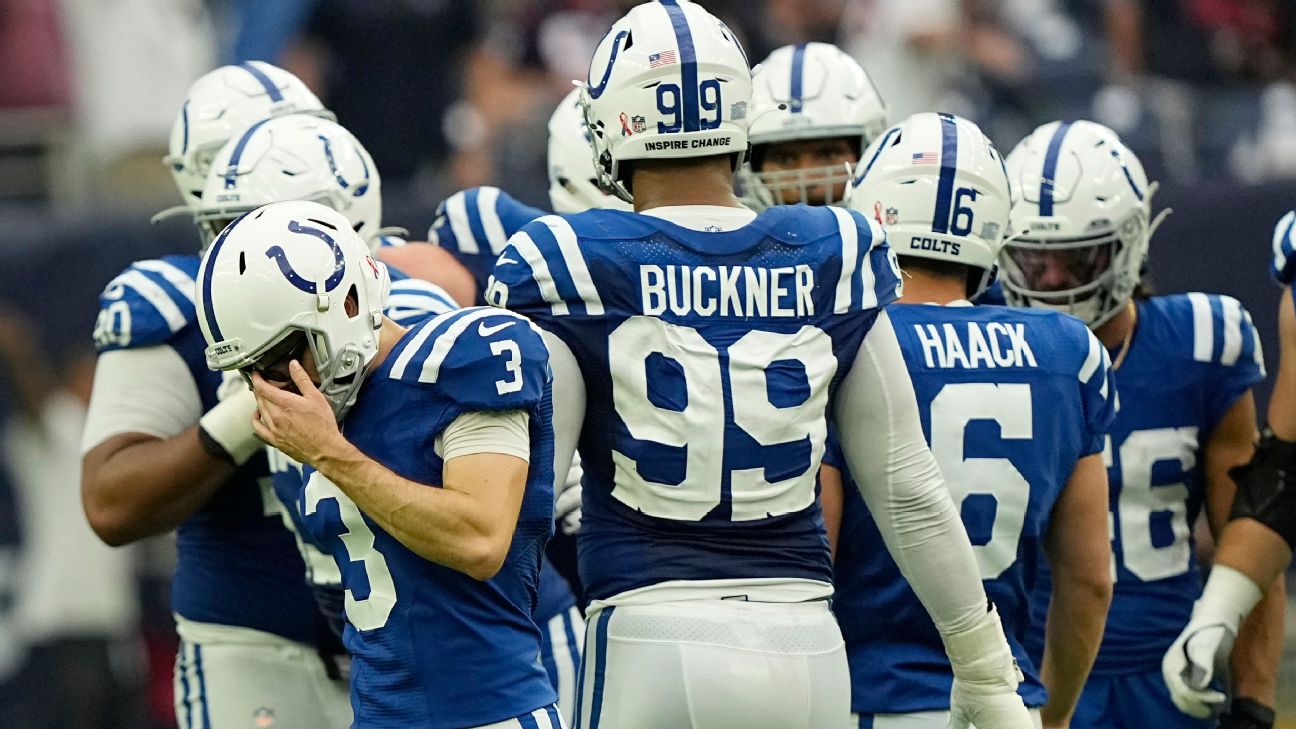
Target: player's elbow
point(1089, 583)
point(108, 523)
point(484, 556)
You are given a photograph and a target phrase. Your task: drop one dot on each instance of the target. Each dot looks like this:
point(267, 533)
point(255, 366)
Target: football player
point(814, 110)
point(473, 225)
point(1016, 405)
point(167, 447)
point(1256, 546)
point(1184, 367)
point(695, 348)
point(438, 500)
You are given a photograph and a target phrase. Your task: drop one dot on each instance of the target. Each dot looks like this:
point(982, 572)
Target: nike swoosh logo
point(504, 261)
point(486, 331)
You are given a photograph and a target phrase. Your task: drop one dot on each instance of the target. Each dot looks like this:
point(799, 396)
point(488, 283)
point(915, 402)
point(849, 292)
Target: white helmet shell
point(573, 181)
point(809, 91)
point(294, 157)
point(1083, 204)
point(668, 81)
point(938, 187)
point(276, 281)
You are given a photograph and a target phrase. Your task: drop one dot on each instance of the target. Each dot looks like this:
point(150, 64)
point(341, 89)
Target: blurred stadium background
point(450, 93)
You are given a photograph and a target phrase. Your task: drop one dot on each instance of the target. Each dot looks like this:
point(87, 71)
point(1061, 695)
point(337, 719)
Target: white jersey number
point(713, 399)
point(1140, 500)
point(1009, 405)
point(369, 613)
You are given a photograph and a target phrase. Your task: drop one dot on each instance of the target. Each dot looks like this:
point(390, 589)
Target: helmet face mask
point(788, 173)
point(1082, 216)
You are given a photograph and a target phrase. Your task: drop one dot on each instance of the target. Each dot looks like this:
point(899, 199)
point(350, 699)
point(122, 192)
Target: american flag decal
point(665, 58)
point(924, 158)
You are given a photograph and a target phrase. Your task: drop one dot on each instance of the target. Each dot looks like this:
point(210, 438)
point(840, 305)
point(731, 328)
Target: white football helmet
point(573, 181)
point(220, 105)
point(938, 187)
point(668, 81)
point(275, 284)
point(808, 91)
point(1081, 221)
point(295, 157)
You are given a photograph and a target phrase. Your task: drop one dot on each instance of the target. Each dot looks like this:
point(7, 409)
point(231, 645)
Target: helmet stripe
point(688, 66)
point(231, 172)
point(184, 121)
point(264, 80)
point(798, 77)
point(949, 163)
point(209, 268)
point(1050, 168)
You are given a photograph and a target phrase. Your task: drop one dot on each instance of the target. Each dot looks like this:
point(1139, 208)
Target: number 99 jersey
point(1191, 358)
point(709, 360)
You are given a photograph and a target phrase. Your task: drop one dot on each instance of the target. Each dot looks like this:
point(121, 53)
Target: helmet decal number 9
point(296, 279)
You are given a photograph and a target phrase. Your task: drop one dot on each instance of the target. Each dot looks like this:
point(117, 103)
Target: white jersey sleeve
point(144, 390)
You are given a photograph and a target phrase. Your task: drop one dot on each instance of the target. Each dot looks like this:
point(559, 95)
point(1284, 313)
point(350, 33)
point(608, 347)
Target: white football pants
point(714, 664)
point(916, 720)
point(237, 678)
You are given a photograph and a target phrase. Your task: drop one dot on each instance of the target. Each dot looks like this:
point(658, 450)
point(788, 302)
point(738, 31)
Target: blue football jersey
point(1283, 266)
point(474, 224)
point(412, 300)
point(1191, 358)
point(432, 647)
point(1010, 400)
point(709, 360)
point(237, 564)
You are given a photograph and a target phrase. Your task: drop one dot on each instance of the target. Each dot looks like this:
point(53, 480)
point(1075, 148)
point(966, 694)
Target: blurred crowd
point(447, 94)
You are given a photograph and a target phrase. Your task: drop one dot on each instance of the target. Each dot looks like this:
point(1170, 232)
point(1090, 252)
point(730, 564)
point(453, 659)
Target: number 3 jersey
point(709, 360)
point(1191, 357)
point(432, 647)
point(1010, 400)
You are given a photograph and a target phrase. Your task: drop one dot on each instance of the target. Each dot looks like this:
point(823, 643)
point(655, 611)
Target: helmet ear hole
point(352, 303)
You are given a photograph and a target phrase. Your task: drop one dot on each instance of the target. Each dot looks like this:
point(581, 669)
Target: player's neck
point(666, 186)
point(388, 335)
point(1114, 331)
point(921, 287)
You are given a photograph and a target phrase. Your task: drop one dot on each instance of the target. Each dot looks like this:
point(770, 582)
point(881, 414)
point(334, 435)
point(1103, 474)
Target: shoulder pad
point(479, 220)
point(412, 300)
point(1221, 329)
point(482, 358)
point(543, 270)
point(147, 303)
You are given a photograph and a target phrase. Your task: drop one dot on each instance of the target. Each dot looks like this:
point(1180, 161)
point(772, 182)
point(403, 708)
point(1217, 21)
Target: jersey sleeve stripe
point(411, 349)
point(530, 253)
point(868, 276)
point(183, 283)
point(156, 296)
point(849, 259)
point(1284, 247)
point(428, 303)
point(445, 341)
point(1252, 347)
point(1232, 331)
point(1092, 360)
point(488, 214)
point(456, 211)
point(575, 261)
point(1203, 327)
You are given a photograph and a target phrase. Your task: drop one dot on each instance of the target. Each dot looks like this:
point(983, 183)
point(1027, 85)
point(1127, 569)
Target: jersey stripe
point(1092, 359)
point(798, 78)
point(849, 259)
point(1050, 168)
point(688, 65)
point(156, 296)
point(530, 253)
point(183, 282)
point(412, 347)
point(456, 211)
point(868, 279)
point(1232, 331)
point(1255, 352)
point(488, 214)
point(575, 261)
point(949, 165)
point(1283, 245)
point(264, 80)
point(446, 340)
point(1203, 327)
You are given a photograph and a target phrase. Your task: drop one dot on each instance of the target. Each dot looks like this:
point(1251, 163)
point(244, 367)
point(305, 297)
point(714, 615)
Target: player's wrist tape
point(1229, 596)
point(981, 658)
point(225, 431)
point(1247, 713)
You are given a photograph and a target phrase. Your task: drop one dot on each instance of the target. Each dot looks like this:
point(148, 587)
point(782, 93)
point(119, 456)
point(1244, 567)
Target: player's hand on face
point(301, 424)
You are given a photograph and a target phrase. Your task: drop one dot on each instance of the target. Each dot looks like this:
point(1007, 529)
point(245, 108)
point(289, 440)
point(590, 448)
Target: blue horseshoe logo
point(363, 187)
point(296, 279)
point(597, 91)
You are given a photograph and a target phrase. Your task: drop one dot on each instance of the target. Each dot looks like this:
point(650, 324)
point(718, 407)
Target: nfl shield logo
point(891, 215)
point(638, 123)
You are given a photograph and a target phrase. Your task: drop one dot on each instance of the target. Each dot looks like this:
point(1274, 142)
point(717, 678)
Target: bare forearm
point(1259, 647)
point(1076, 618)
point(138, 486)
point(1253, 549)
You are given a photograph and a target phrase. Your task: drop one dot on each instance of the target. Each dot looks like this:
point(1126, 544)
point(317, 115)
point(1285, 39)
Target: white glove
point(567, 507)
point(1201, 652)
point(985, 678)
point(228, 426)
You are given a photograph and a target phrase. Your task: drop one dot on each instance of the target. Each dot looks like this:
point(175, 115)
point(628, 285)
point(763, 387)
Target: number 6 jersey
point(709, 359)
